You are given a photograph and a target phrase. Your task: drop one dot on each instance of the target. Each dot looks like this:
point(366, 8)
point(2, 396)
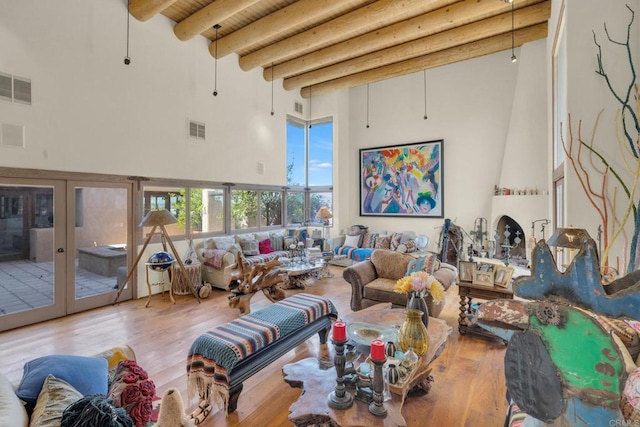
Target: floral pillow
point(132, 390)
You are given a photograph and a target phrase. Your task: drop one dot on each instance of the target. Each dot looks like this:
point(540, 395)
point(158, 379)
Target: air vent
point(298, 107)
point(21, 90)
point(196, 130)
point(12, 136)
point(16, 89)
point(6, 89)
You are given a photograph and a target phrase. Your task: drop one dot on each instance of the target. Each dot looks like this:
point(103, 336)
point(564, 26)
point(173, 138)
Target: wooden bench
point(267, 334)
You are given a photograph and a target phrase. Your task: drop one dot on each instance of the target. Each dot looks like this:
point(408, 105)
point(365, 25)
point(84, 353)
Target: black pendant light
point(272, 112)
point(215, 63)
point(127, 60)
point(513, 36)
point(425, 95)
point(367, 106)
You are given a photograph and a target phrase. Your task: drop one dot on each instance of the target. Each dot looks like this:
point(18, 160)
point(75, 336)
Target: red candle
point(377, 350)
point(339, 331)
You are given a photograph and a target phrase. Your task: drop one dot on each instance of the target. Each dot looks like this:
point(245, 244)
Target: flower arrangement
point(420, 283)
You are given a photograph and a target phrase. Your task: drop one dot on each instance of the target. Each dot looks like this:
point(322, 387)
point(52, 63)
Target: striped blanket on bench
point(214, 354)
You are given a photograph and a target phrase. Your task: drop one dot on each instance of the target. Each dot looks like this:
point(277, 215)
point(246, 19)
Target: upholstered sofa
point(218, 255)
point(372, 280)
point(358, 243)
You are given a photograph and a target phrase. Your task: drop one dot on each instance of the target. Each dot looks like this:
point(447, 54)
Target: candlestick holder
point(377, 406)
point(339, 398)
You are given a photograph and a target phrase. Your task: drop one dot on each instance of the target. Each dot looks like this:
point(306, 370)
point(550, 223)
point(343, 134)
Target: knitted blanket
point(213, 257)
point(214, 354)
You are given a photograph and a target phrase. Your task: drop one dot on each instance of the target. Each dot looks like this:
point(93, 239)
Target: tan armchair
point(372, 281)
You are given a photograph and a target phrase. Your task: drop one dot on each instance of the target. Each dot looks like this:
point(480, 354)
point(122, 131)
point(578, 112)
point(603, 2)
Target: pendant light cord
point(310, 107)
point(367, 105)
point(513, 36)
point(272, 112)
point(425, 95)
point(215, 64)
point(127, 60)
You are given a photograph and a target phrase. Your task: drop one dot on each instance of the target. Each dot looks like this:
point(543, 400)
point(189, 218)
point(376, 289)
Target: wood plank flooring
point(468, 390)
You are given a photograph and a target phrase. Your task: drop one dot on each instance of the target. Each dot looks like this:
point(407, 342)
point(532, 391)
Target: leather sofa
point(372, 280)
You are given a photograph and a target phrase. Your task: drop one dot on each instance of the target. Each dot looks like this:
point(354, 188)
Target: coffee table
point(299, 274)
point(318, 379)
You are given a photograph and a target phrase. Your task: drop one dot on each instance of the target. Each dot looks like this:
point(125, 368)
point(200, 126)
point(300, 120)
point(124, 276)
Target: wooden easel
point(182, 270)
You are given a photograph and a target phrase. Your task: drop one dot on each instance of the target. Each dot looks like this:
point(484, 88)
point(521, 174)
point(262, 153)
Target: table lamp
point(569, 238)
point(324, 214)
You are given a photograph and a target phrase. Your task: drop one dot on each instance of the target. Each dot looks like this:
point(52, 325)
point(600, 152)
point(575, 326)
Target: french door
point(64, 247)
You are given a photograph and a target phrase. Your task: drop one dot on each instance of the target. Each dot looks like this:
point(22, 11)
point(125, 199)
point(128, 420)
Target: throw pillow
point(277, 242)
point(250, 247)
point(355, 230)
point(55, 396)
point(132, 390)
point(264, 246)
point(396, 238)
point(352, 241)
point(369, 240)
point(224, 242)
point(431, 263)
point(88, 375)
point(12, 412)
point(415, 265)
point(382, 242)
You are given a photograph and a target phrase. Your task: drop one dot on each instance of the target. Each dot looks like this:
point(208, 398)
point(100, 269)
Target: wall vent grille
point(298, 107)
point(196, 130)
point(15, 89)
point(12, 136)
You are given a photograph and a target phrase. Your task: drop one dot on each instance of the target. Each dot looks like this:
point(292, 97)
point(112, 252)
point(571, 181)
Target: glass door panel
point(98, 214)
point(32, 251)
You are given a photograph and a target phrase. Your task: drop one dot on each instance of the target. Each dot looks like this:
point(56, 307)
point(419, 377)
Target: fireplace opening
point(513, 245)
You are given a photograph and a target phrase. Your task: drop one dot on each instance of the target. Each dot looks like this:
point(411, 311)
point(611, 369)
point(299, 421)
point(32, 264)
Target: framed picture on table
point(466, 269)
point(503, 276)
point(484, 274)
point(402, 180)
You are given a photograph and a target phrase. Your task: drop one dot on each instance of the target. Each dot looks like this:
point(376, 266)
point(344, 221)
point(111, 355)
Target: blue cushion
point(88, 375)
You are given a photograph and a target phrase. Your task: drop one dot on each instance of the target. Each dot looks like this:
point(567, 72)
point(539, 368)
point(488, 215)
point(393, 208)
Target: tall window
point(309, 169)
point(560, 124)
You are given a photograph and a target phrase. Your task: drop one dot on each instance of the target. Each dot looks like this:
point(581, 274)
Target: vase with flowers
point(413, 332)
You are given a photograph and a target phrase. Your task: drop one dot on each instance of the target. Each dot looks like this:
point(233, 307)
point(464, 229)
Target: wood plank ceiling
point(319, 46)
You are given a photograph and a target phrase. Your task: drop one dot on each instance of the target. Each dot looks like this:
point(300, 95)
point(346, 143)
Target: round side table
point(194, 274)
point(166, 278)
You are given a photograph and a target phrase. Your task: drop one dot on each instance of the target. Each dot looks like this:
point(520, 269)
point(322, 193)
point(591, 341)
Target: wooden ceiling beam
point(415, 28)
point(143, 10)
point(482, 47)
point(296, 14)
point(208, 16)
point(365, 19)
point(526, 17)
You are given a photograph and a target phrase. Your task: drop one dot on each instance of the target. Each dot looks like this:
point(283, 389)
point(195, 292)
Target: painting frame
point(484, 274)
point(502, 277)
point(466, 270)
point(403, 180)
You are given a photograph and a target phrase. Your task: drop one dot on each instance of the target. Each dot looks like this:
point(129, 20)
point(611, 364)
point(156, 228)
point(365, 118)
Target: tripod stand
point(158, 219)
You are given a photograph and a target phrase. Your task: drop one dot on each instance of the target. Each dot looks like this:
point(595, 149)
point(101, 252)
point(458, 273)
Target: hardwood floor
point(468, 390)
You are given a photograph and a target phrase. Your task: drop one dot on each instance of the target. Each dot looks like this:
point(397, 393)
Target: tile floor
point(25, 285)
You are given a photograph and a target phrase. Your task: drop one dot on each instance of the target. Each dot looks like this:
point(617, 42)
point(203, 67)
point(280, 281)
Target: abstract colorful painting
point(402, 180)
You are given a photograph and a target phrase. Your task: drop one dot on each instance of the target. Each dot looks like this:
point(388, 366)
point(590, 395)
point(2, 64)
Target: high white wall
point(92, 113)
point(588, 95)
point(491, 115)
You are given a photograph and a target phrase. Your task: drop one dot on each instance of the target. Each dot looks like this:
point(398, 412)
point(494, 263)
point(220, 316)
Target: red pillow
point(264, 246)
